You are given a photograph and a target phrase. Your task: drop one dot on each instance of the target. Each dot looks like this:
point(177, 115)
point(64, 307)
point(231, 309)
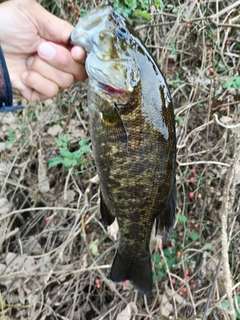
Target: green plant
point(160, 266)
point(63, 141)
point(68, 158)
point(231, 81)
point(236, 301)
point(128, 8)
point(11, 138)
point(175, 82)
point(180, 120)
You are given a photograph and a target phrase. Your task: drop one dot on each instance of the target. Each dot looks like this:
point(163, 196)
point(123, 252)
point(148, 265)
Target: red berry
point(211, 70)
point(125, 283)
point(193, 171)
point(191, 179)
point(188, 25)
point(97, 281)
point(186, 272)
point(209, 52)
point(191, 195)
point(173, 281)
point(180, 234)
point(184, 289)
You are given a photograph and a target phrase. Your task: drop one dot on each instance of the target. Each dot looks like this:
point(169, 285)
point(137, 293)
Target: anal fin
point(107, 217)
point(166, 220)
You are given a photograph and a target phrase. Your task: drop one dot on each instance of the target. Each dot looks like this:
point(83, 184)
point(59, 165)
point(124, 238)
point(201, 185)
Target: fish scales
point(133, 138)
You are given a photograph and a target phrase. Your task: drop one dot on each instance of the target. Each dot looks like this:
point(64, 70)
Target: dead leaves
point(130, 310)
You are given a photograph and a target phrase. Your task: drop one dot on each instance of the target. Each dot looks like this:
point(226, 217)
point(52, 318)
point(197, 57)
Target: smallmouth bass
point(133, 137)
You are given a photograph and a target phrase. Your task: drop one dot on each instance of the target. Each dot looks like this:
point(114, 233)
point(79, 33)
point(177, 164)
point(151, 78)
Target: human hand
point(36, 50)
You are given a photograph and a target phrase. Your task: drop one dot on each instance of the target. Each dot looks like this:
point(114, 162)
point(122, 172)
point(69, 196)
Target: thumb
point(49, 26)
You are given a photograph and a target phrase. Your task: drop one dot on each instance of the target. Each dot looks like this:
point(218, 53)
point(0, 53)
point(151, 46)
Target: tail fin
point(137, 270)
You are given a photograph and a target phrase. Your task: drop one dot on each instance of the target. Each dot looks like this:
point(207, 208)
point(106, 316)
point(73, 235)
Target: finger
point(78, 54)
point(61, 58)
point(44, 87)
point(62, 79)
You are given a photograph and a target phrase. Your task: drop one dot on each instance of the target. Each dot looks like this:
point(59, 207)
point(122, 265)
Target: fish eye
point(122, 33)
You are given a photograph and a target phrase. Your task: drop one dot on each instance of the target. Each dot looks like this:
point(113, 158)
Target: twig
point(234, 126)
point(212, 289)
point(226, 208)
point(202, 162)
point(227, 9)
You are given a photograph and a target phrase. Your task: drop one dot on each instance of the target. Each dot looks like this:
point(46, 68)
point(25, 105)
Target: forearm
point(5, 87)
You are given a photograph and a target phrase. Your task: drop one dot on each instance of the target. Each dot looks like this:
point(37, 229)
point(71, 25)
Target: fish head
point(111, 62)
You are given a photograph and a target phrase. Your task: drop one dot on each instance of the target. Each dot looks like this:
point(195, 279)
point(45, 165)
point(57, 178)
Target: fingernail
point(24, 75)
point(46, 50)
point(29, 61)
point(78, 53)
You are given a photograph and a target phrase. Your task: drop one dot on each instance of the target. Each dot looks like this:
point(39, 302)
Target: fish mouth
point(88, 26)
point(111, 91)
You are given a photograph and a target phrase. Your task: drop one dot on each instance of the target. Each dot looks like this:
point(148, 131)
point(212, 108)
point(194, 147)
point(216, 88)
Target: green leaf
point(167, 252)
point(94, 247)
point(85, 149)
point(194, 236)
point(54, 162)
point(66, 153)
point(161, 274)
point(154, 279)
point(171, 262)
point(68, 163)
point(182, 218)
point(207, 246)
point(235, 85)
point(156, 258)
point(159, 3)
point(63, 141)
point(83, 142)
point(76, 154)
point(224, 305)
point(143, 14)
point(172, 43)
point(238, 81)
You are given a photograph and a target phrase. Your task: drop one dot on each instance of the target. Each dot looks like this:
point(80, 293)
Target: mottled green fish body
point(133, 137)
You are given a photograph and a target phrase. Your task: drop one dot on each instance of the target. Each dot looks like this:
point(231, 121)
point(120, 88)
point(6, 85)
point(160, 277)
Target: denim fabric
point(5, 88)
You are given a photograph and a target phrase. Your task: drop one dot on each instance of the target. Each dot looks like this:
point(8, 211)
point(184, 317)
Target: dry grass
point(56, 253)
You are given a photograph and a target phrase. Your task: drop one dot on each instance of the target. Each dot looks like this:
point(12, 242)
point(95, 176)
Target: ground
point(55, 251)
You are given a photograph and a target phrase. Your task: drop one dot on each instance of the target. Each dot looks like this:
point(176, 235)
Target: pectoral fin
point(114, 124)
point(166, 221)
point(107, 217)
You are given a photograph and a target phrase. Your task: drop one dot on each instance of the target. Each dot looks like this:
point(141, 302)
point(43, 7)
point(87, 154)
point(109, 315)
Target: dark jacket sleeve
point(5, 88)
